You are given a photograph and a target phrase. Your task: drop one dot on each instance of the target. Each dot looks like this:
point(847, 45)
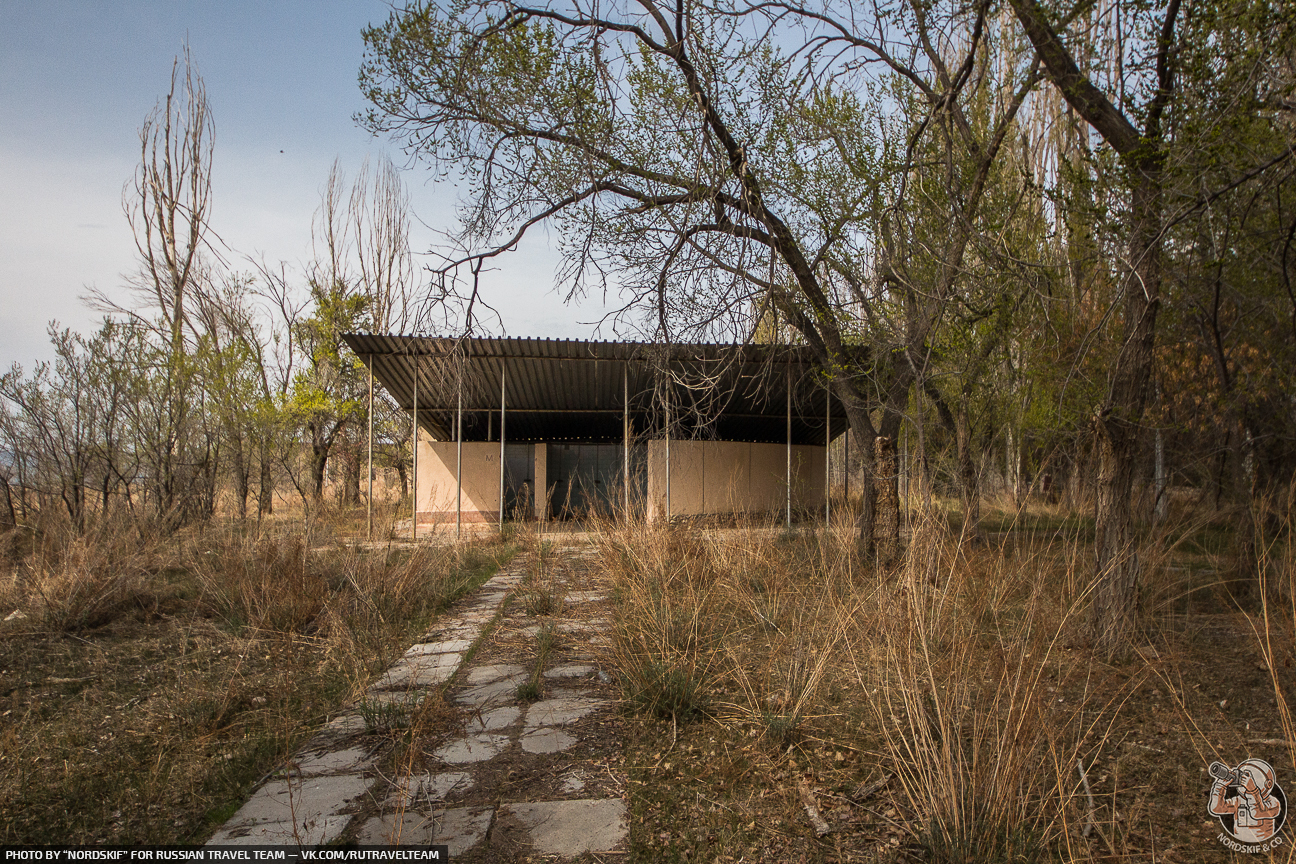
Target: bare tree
point(719, 163)
point(167, 202)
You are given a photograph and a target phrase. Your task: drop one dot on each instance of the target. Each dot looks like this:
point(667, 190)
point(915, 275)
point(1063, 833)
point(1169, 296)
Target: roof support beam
point(789, 447)
point(459, 464)
point(414, 438)
point(369, 508)
point(625, 435)
point(503, 398)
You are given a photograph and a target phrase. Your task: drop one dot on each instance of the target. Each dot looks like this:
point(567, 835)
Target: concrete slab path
point(508, 777)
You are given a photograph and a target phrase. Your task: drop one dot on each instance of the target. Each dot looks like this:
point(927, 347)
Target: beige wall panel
point(768, 471)
point(541, 476)
point(689, 477)
point(656, 504)
point(714, 477)
point(436, 480)
point(807, 475)
point(728, 477)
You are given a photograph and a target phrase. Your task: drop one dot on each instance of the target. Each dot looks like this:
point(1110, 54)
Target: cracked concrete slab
point(498, 718)
point(446, 646)
point(341, 726)
point(431, 788)
point(570, 670)
point(413, 673)
point(474, 748)
point(497, 691)
point(314, 805)
point(546, 741)
point(350, 761)
point(561, 711)
point(309, 832)
point(570, 828)
point(459, 828)
point(494, 672)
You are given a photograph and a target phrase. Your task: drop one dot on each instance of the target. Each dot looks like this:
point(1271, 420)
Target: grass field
point(794, 700)
point(147, 683)
point(806, 705)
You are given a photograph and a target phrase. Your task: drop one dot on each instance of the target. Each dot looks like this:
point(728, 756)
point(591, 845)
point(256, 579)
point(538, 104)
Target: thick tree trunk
point(862, 426)
point(886, 493)
point(1118, 422)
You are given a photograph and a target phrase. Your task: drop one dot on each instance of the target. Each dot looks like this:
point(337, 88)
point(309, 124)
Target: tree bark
point(265, 489)
point(1117, 420)
point(887, 494)
point(1118, 423)
point(7, 516)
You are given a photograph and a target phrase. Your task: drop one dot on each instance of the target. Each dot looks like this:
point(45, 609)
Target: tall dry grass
point(148, 682)
point(946, 666)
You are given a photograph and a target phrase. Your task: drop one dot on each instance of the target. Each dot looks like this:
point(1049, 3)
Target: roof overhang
point(573, 390)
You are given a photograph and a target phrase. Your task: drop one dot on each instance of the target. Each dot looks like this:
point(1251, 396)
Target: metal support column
point(625, 435)
point(503, 384)
point(414, 439)
point(789, 446)
point(369, 517)
point(459, 461)
point(846, 466)
point(668, 437)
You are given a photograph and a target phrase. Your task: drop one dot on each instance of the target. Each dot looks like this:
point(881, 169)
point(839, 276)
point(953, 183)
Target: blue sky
point(77, 80)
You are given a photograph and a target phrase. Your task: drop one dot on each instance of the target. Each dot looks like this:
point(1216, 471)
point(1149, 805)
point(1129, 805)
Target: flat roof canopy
point(573, 390)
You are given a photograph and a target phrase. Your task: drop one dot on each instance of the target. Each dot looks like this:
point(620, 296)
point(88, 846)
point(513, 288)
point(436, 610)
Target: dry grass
point(147, 684)
point(964, 675)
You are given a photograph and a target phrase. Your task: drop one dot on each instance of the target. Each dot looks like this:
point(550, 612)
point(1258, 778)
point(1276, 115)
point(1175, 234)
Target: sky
point(78, 78)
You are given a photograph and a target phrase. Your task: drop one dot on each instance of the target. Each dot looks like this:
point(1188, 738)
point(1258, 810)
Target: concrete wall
point(713, 477)
point(707, 477)
point(436, 480)
point(541, 481)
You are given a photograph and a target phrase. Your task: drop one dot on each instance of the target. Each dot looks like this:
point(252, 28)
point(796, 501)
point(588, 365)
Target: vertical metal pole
point(414, 438)
point(459, 460)
point(827, 457)
point(503, 379)
point(789, 445)
point(846, 466)
point(625, 434)
point(668, 437)
point(369, 529)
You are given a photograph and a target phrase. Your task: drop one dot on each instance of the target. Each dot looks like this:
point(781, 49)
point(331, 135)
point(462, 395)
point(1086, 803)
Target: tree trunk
point(242, 479)
point(969, 489)
point(861, 425)
point(319, 458)
point(1118, 422)
point(265, 488)
point(886, 533)
point(7, 517)
point(403, 473)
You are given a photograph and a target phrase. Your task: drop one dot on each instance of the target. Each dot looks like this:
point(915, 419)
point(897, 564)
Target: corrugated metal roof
point(573, 390)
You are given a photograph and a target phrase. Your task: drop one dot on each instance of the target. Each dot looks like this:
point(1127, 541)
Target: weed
point(388, 715)
point(533, 688)
point(660, 688)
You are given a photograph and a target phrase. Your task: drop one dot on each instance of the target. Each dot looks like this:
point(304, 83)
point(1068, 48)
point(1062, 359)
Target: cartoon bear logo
point(1250, 804)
